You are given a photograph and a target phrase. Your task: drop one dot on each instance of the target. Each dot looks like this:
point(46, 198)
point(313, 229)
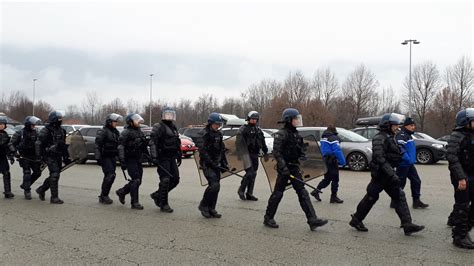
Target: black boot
point(41, 193)
point(214, 214)
point(121, 195)
point(463, 242)
point(392, 204)
point(270, 222)
point(27, 194)
point(105, 200)
point(241, 190)
point(53, 183)
point(316, 222)
point(335, 199)
point(204, 209)
point(357, 224)
point(315, 193)
point(136, 206)
point(250, 186)
point(163, 196)
point(412, 228)
point(166, 208)
point(418, 204)
point(156, 198)
point(251, 197)
point(7, 186)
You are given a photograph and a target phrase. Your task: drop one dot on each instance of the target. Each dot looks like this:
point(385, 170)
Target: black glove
point(179, 160)
point(66, 161)
point(12, 160)
point(17, 155)
point(266, 157)
point(224, 168)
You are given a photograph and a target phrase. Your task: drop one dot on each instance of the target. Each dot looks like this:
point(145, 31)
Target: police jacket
point(460, 154)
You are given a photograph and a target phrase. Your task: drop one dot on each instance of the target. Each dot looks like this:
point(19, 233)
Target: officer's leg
point(324, 183)
point(26, 185)
point(305, 202)
point(108, 168)
point(133, 167)
point(415, 184)
point(213, 186)
point(164, 171)
point(251, 179)
point(55, 168)
point(5, 171)
point(460, 231)
point(36, 171)
point(335, 185)
point(244, 183)
point(274, 201)
point(365, 205)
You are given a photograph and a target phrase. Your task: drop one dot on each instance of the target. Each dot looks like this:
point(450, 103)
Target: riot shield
point(76, 148)
point(312, 166)
point(237, 158)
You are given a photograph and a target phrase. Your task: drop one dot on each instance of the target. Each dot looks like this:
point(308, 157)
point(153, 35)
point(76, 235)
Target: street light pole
point(151, 90)
point(410, 93)
point(34, 95)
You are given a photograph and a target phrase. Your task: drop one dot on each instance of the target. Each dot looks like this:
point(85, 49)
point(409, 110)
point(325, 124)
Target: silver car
point(356, 149)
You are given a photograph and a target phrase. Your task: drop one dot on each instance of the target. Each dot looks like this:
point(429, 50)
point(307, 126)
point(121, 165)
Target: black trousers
point(248, 182)
point(109, 165)
point(392, 187)
point(31, 172)
point(211, 193)
point(331, 176)
point(303, 195)
point(404, 172)
point(135, 171)
point(463, 213)
point(169, 178)
point(5, 171)
point(52, 182)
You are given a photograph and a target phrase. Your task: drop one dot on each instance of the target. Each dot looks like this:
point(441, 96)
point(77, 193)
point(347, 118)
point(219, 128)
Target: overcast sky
point(221, 48)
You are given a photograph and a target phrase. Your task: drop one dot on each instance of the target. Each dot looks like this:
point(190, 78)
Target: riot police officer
point(386, 156)
point(165, 149)
point(4, 157)
point(460, 156)
point(132, 145)
point(252, 137)
point(213, 162)
point(288, 148)
point(333, 157)
point(51, 147)
point(106, 152)
point(22, 145)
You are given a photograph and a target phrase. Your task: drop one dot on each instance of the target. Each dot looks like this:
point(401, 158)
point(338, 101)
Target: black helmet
point(55, 116)
point(168, 114)
point(291, 113)
point(133, 117)
point(464, 117)
point(113, 117)
point(3, 120)
point(390, 119)
point(32, 120)
point(253, 115)
point(215, 118)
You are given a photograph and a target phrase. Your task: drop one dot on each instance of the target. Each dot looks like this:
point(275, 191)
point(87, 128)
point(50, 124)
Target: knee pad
point(135, 182)
point(165, 181)
point(54, 176)
point(303, 193)
point(110, 177)
point(26, 172)
point(6, 175)
point(372, 198)
point(214, 187)
point(276, 195)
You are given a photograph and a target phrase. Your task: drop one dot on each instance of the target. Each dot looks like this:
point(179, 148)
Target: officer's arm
point(379, 156)
point(401, 141)
point(121, 147)
point(453, 150)
point(223, 161)
point(203, 145)
point(262, 140)
point(40, 142)
point(14, 141)
point(99, 143)
point(277, 146)
point(336, 148)
point(65, 151)
point(154, 139)
point(241, 146)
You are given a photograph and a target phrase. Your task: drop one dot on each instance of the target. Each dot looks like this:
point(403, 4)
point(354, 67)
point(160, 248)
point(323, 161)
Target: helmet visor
point(116, 117)
point(298, 121)
point(396, 119)
point(33, 120)
point(470, 114)
point(168, 115)
point(136, 118)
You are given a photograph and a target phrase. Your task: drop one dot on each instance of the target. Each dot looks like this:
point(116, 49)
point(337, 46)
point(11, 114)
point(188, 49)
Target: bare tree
point(203, 106)
point(445, 108)
point(259, 96)
point(358, 89)
point(388, 102)
point(460, 77)
point(296, 87)
point(425, 85)
point(325, 86)
point(91, 108)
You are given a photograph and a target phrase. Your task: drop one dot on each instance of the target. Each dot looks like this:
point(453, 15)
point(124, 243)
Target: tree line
point(322, 98)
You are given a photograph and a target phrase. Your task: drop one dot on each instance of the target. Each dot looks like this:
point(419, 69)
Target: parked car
point(443, 138)
point(188, 148)
point(356, 149)
point(72, 128)
point(428, 149)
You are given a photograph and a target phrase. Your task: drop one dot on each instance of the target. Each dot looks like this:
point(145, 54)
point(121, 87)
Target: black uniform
point(4, 165)
point(106, 152)
point(165, 149)
point(132, 144)
point(51, 147)
point(23, 143)
point(212, 160)
point(288, 148)
point(460, 156)
point(252, 137)
point(386, 155)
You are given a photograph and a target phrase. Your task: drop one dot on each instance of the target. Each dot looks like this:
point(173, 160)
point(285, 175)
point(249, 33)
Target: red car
point(188, 148)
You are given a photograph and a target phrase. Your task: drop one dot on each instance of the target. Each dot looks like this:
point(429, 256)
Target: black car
point(428, 149)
